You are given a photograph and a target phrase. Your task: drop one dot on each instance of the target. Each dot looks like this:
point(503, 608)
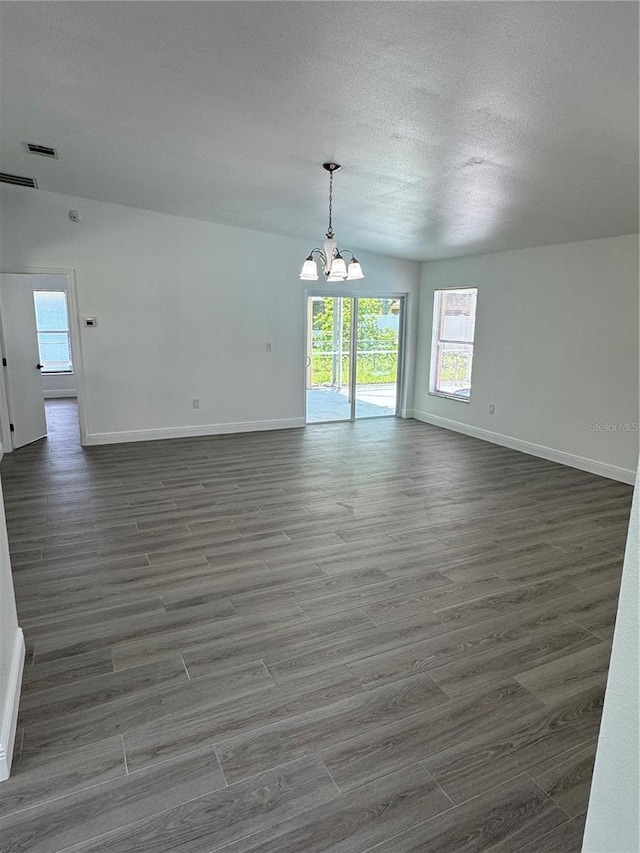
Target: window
point(454, 319)
point(52, 322)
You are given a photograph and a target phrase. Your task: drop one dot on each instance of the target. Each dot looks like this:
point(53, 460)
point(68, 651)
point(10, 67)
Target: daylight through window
point(454, 319)
point(52, 322)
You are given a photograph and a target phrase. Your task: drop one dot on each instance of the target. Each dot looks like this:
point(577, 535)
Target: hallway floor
point(378, 636)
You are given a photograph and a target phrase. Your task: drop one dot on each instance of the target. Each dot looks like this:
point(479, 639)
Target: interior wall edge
point(613, 818)
point(10, 705)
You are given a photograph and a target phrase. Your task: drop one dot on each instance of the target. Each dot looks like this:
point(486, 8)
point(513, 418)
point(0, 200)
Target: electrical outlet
point(492, 408)
point(268, 346)
point(195, 404)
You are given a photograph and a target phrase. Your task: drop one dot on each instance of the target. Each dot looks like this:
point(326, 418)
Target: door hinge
point(12, 428)
point(4, 362)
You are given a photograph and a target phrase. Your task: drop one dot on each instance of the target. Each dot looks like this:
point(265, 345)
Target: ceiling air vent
point(42, 150)
point(18, 180)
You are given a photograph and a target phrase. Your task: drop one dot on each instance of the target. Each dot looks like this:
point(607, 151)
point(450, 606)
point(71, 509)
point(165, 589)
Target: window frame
point(66, 332)
point(437, 342)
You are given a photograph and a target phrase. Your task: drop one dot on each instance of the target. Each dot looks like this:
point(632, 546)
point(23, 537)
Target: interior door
point(25, 397)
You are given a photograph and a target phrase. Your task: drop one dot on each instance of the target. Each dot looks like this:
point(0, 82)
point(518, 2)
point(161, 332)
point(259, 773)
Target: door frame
point(76, 348)
point(403, 296)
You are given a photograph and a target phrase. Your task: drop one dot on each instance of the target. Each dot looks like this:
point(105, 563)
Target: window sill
point(449, 396)
point(56, 372)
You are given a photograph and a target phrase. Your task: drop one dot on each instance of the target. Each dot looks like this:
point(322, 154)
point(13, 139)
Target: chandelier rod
point(331, 168)
point(330, 231)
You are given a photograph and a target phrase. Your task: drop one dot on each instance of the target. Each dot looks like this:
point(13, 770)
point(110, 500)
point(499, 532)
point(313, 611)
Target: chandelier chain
point(330, 231)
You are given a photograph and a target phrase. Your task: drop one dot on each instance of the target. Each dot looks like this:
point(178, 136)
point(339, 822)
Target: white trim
point(63, 392)
point(10, 706)
point(94, 438)
point(76, 349)
point(454, 397)
point(603, 469)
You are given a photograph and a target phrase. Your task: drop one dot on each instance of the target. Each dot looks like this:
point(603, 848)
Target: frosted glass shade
point(354, 270)
point(338, 269)
point(309, 270)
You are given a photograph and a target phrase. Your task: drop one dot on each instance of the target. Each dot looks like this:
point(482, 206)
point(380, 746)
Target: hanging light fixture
point(334, 265)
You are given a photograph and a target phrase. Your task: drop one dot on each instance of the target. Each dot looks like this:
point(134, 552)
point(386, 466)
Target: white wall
point(59, 385)
point(11, 652)
point(613, 824)
point(184, 309)
point(556, 351)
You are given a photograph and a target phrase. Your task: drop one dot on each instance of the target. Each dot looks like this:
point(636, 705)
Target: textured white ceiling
point(461, 127)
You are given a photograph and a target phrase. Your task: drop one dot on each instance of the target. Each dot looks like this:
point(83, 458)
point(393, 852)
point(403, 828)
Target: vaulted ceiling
point(461, 127)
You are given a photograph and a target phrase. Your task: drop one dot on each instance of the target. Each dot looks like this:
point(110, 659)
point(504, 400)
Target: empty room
point(319, 421)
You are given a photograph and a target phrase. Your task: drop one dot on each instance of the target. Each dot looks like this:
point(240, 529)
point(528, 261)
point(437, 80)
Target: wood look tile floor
point(378, 636)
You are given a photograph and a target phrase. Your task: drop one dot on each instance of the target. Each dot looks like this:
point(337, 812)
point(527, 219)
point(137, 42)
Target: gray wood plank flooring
point(350, 638)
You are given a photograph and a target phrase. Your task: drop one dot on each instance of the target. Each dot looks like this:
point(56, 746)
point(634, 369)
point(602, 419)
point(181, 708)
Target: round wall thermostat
point(74, 215)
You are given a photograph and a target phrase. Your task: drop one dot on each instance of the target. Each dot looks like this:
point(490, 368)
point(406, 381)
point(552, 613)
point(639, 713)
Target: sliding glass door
point(328, 358)
point(377, 357)
point(353, 357)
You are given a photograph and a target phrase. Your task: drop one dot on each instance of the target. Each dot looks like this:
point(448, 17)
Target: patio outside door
point(353, 357)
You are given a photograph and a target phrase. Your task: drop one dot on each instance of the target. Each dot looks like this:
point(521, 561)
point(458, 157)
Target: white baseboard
point(63, 392)
point(9, 705)
point(94, 438)
point(603, 469)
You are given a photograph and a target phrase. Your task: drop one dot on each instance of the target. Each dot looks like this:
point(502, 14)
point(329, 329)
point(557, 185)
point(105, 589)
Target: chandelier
point(334, 265)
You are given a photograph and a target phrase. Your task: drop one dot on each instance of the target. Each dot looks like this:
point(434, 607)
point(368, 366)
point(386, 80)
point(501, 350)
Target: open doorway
point(63, 423)
point(354, 357)
point(40, 352)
